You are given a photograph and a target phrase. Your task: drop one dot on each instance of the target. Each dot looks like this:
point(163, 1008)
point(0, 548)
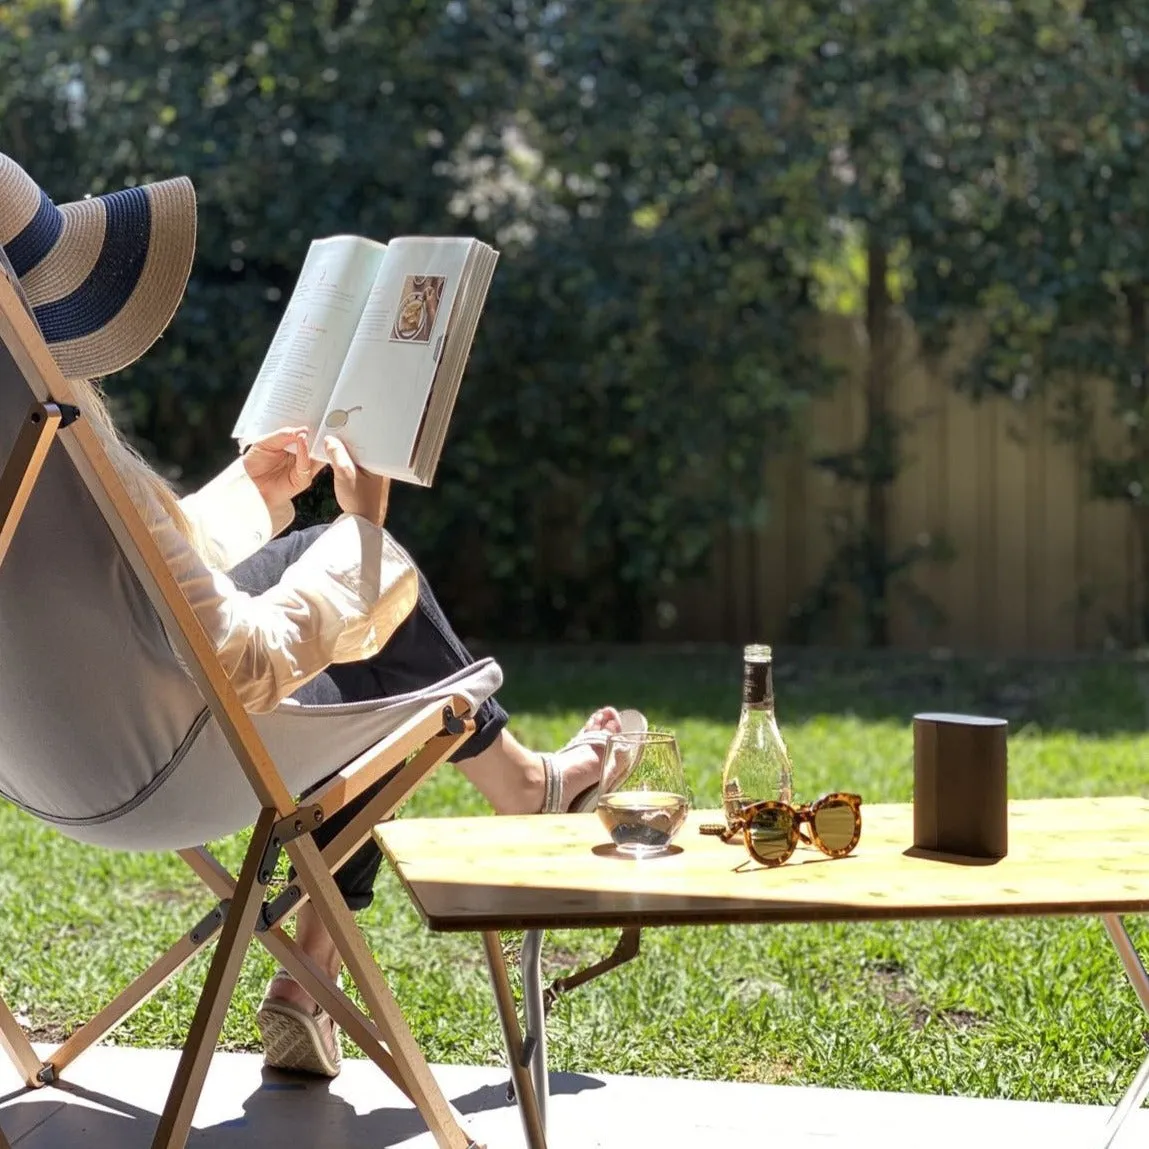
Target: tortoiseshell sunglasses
point(772, 830)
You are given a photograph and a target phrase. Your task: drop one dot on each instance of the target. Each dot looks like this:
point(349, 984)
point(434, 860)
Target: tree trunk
point(879, 431)
point(1139, 443)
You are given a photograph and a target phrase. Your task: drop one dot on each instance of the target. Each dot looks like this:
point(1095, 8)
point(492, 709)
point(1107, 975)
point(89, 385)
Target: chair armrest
point(432, 721)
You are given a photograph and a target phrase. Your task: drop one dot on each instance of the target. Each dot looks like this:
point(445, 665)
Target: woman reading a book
point(331, 614)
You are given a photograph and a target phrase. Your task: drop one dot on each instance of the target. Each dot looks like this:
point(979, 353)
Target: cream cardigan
point(340, 602)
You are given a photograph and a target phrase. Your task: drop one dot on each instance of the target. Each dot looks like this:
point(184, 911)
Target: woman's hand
point(277, 472)
point(356, 491)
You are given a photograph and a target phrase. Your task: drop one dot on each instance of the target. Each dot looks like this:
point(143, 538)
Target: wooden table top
point(1066, 856)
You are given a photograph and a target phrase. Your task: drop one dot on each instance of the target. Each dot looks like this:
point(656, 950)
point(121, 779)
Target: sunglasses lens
point(834, 824)
point(770, 834)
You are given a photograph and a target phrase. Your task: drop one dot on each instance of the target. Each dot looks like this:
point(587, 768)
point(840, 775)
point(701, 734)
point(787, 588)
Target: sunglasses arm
point(720, 830)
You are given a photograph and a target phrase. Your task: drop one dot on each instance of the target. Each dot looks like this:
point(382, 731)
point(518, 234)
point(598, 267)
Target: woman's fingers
point(301, 464)
point(345, 473)
point(356, 491)
point(284, 437)
point(341, 461)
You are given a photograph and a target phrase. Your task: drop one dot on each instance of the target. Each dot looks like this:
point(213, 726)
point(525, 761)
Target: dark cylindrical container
point(960, 801)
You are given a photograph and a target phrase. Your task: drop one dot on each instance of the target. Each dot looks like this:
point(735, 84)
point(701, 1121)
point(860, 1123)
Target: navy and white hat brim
point(104, 275)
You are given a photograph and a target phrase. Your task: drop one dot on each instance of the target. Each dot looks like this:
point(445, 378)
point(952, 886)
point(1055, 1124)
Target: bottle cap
point(757, 652)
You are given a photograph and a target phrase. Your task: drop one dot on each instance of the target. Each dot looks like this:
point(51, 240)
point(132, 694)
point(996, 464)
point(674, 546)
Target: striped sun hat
point(104, 275)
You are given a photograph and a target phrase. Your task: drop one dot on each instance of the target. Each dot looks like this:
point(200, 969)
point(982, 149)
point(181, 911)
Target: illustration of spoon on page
point(339, 418)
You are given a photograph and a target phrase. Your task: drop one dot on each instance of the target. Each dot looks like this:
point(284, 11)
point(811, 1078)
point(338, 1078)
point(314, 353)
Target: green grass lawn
point(1022, 1009)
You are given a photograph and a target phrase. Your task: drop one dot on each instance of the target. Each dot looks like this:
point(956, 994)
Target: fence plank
point(1104, 555)
point(1040, 567)
point(1054, 618)
point(1008, 500)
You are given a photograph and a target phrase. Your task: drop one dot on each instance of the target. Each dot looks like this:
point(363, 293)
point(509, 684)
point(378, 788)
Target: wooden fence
point(1038, 567)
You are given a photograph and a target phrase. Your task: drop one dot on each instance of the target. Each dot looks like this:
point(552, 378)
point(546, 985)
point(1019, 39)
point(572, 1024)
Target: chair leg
point(357, 1025)
point(385, 1048)
point(19, 1049)
point(421, 1086)
point(153, 979)
point(175, 1122)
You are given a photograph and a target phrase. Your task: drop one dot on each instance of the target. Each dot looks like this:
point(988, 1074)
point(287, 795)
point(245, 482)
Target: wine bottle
point(757, 766)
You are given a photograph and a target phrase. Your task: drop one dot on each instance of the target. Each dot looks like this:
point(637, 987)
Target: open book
point(372, 348)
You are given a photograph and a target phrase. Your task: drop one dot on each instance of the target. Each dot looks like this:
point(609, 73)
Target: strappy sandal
point(293, 1038)
point(632, 722)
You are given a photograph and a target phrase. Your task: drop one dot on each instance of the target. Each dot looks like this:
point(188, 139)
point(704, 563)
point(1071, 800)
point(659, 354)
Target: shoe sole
point(292, 1041)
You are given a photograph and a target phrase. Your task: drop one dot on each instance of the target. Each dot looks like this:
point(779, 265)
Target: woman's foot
point(297, 1034)
point(577, 768)
point(514, 779)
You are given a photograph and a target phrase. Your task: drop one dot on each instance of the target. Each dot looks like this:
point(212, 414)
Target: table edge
point(820, 915)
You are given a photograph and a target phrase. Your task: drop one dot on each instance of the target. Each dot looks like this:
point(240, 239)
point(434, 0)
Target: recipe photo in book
point(372, 348)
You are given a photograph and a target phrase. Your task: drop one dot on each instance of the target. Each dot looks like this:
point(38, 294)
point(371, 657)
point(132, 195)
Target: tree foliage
point(1048, 234)
point(882, 88)
point(676, 190)
point(662, 263)
point(638, 358)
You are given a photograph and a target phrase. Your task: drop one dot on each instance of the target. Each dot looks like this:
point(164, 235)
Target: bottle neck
point(758, 686)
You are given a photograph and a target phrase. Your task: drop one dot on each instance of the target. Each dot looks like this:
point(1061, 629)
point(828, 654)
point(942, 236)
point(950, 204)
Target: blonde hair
point(151, 493)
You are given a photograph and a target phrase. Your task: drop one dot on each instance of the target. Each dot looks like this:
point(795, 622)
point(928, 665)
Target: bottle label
point(758, 685)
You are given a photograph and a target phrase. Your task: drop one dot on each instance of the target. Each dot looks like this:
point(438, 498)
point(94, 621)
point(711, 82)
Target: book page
point(295, 381)
point(378, 400)
point(445, 389)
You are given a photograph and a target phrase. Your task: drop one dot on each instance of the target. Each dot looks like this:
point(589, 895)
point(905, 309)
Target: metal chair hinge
point(273, 912)
point(525, 1054)
point(453, 723)
point(210, 922)
point(68, 414)
point(303, 821)
point(47, 1074)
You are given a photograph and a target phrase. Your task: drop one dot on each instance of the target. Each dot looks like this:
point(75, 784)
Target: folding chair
point(105, 735)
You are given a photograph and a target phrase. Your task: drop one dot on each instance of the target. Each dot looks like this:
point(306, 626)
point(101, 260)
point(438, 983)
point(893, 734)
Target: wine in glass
point(650, 806)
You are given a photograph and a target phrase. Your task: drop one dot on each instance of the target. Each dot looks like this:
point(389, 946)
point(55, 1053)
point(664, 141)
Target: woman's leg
point(422, 651)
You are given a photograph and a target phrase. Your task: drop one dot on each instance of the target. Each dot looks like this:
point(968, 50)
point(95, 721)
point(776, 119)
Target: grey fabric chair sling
point(106, 736)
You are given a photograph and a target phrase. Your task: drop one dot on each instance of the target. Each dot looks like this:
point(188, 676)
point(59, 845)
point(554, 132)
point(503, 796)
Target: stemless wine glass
point(643, 815)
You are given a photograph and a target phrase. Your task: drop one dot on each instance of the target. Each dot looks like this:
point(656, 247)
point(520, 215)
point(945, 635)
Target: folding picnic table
point(1067, 857)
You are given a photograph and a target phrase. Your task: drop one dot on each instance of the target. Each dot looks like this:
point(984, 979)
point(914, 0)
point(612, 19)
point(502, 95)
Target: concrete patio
point(113, 1097)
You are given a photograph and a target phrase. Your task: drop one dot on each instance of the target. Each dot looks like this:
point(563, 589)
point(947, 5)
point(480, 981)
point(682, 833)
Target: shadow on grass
point(1096, 696)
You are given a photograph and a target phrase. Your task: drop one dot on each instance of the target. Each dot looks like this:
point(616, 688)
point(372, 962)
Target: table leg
point(531, 965)
point(1139, 979)
point(513, 1039)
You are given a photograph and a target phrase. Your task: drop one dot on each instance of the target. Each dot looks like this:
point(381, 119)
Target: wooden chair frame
point(242, 911)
